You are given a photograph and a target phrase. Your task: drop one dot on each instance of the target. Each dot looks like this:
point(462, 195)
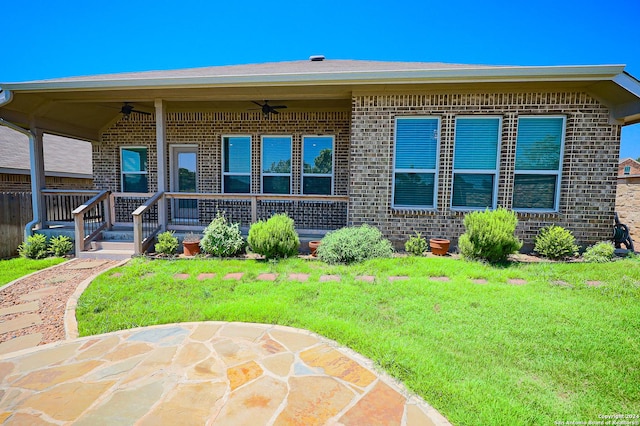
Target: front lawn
point(13, 269)
point(565, 346)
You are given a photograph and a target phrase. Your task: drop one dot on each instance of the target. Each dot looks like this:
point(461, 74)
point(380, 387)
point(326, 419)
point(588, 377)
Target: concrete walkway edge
point(70, 321)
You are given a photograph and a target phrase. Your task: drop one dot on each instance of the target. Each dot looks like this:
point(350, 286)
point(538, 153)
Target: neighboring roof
point(83, 107)
point(628, 160)
point(63, 157)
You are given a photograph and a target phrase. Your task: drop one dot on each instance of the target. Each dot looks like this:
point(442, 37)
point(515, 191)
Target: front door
point(183, 179)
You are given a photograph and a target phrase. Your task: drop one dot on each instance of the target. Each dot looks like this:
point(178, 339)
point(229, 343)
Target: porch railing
point(59, 204)
point(123, 204)
point(309, 212)
point(90, 218)
point(146, 224)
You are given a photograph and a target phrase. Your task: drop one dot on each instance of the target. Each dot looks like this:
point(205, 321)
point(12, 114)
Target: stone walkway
point(203, 373)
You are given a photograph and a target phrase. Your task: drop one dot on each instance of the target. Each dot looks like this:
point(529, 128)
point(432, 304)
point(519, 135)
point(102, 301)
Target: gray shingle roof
point(62, 156)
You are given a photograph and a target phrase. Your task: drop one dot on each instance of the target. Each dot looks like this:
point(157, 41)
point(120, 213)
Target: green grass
point(13, 269)
point(491, 354)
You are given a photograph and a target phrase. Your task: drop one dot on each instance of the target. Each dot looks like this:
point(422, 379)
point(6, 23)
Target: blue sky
point(48, 39)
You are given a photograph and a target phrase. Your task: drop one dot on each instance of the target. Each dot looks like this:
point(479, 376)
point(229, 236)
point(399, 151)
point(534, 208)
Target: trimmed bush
point(167, 243)
point(354, 244)
point(60, 246)
point(416, 245)
point(555, 242)
point(275, 238)
point(34, 248)
point(221, 238)
point(489, 235)
point(601, 252)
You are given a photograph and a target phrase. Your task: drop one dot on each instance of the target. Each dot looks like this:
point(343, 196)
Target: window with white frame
point(475, 162)
point(236, 168)
point(538, 167)
point(416, 162)
point(317, 165)
point(627, 170)
point(134, 169)
point(276, 164)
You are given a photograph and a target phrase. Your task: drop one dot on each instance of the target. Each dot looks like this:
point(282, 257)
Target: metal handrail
point(141, 241)
point(79, 220)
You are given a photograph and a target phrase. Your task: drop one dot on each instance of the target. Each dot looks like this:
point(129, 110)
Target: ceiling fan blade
point(278, 106)
point(260, 105)
point(274, 111)
point(141, 112)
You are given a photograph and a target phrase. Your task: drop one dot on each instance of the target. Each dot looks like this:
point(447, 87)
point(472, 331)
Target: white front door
point(184, 177)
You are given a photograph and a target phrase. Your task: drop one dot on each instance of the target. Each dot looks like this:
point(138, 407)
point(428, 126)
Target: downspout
point(5, 97)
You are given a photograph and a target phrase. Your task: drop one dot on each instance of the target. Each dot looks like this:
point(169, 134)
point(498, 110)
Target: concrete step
point(112, 245)
point(106, 254)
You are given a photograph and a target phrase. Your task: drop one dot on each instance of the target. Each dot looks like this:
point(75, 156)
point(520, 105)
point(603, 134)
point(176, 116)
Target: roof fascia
point(465, 75)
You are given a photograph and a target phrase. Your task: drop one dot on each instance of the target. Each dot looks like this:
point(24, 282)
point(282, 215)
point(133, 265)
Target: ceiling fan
point(127, 109)
point(268, 109)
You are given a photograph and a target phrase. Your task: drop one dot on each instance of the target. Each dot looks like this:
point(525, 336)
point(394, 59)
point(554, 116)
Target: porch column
point(161, 149)
point(36, 158)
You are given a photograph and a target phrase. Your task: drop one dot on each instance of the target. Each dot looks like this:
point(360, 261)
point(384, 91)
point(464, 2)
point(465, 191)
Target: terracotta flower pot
point(439, 246)
point(313, 246)
point(191, 248)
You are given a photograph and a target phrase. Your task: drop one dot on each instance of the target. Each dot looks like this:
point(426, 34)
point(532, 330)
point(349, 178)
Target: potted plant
point(191, 244)
point(439, 246)
point(313, 246)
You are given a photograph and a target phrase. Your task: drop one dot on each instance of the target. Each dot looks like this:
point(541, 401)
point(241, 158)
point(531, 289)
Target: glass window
point(276, 164)
point(133, 168)
point(538, 167)
point(475, 164)
point(236, 154)
point(416, 162)
point(317, 165)
point(627, 170)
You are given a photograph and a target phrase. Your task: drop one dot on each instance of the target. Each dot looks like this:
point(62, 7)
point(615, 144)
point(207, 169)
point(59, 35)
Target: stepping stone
point(234, 276)
point(206, 276)
point(299, 277)
point(87, 265)
point(267, 277)
point(561, 283)
point(479, 281)
point(38, 294)
point(443, 279)
point(366, 278)
point(327, 278)
point(19, 343)
point(20, 323)
point(149, 275)
point(398, 278)
point(595, 283)
point(25, 307)
point(516, 281)
point(61, 278)
point(181, 276)
point(116, 275)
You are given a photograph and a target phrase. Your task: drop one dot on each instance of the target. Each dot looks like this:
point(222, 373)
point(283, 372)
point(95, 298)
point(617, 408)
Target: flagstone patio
point(203, 373)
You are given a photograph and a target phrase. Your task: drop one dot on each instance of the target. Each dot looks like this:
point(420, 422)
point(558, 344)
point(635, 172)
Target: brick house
point(628, 167)
point(403, 146)
point(62, 171)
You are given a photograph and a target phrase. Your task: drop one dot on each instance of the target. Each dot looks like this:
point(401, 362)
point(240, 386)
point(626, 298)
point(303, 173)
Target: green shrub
point(167, 243)
point(489, 235)
point(60, 246)
point(34, 248)
point(600, 253)
point(555, 242)
point(354, 244)
point(275, 238)
point(416, 245)
point(221, 238)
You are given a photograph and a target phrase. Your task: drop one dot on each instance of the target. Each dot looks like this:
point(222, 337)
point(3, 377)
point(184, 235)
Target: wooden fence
point(15, 213)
